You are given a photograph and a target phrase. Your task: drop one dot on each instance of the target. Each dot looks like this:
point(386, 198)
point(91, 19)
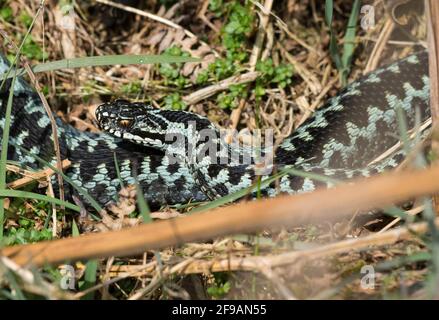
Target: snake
point(168, 154)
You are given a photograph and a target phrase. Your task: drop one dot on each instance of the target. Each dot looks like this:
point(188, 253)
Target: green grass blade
point(349, 42)
point(104, 61)
point(311, 175)
point(37, 196)
point(349, 39)
point(17, 55)
point(75, 229)
point(329, 10)
point(342, 62)
point(143, 206)
point(81, 190)
point(402, 128)
point(333, 47)
point(116, 166)
point(90, 276)
point(4, 152)
point(17, 293)
point(401, 261)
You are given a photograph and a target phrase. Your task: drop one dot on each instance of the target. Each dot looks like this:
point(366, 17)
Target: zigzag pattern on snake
point(344, 135)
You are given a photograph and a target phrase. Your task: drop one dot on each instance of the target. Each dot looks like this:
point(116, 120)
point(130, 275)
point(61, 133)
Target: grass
point(4, 154)
point(81, 190)
point(279, 89)
point(109, 60)
point(342, 61)
point(17, 54)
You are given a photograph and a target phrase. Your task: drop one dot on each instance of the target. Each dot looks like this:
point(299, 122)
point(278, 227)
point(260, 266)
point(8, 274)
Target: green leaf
point(104, 61)
point(75, 229)
point(143, 205)
point(329, 9)
point(4, 152)
point(232, 27)
point(6, 13)
point(349, 39)
point(91, 268)
point(37, 196)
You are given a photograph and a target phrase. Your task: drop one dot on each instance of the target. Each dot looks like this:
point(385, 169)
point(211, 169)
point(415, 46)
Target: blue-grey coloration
point(339, 140)
point(91, 154)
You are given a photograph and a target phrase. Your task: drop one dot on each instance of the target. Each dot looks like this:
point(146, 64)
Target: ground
point(290, 49)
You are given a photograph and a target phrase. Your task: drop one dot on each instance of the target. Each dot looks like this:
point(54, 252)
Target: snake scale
point(341, 138)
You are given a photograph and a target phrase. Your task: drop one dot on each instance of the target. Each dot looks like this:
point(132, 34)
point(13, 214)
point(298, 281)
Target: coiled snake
point(339, 140)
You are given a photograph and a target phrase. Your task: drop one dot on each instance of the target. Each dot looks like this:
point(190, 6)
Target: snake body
point(340, 139)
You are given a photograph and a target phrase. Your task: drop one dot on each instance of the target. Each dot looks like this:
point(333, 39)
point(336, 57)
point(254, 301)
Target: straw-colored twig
point(318, 100)
point(297, 210)
point(202, 15)
point(206, 92)
point(374, 58)
point(264, 17)
point(46, 107)
point(314, 84)
point(433, 64)
point(35, 176)
point(154, 17)
point(411, 212)
point(256, 263)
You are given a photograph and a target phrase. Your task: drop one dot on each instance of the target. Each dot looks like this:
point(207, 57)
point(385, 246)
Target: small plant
point(174, 102)
point(234, 34)
point(32, 50)
point(229, 100)
point(134, 87)
point(220, 287)
point(217, 7)
point(25, 234)
point(25, 19)
point(222, 68)
point(202, 77)
point(343, 61)
point(238, 27)
point(280, 75)
point(171, 71)
point(6, 14)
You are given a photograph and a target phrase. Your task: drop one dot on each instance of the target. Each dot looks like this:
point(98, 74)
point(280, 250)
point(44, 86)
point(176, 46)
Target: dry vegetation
point(232, 88)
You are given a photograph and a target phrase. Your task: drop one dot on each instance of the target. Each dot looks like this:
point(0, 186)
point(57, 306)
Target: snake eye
point(103, 122)
point(125, 123)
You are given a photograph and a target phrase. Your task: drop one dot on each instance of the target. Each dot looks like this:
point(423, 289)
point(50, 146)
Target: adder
point(340, 140)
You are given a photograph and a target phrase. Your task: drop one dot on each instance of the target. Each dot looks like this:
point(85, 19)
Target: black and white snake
point(340, 140)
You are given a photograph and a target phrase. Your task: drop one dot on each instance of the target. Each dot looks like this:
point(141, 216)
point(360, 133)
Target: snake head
point(173, 132)
point(136, 122)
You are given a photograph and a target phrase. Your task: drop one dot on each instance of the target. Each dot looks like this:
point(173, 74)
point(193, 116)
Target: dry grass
point(266, 264)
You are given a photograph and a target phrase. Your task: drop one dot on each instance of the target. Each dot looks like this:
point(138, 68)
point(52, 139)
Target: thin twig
point(296, 210)
point(202, 16)
point(206, 92)
point(49, 114)
point(411, 212)
point(261, 34)
point(256, 263)
point(154, 17)
point(374, 58)
point(30, 177)
point(54, 129)
point(314, 84)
